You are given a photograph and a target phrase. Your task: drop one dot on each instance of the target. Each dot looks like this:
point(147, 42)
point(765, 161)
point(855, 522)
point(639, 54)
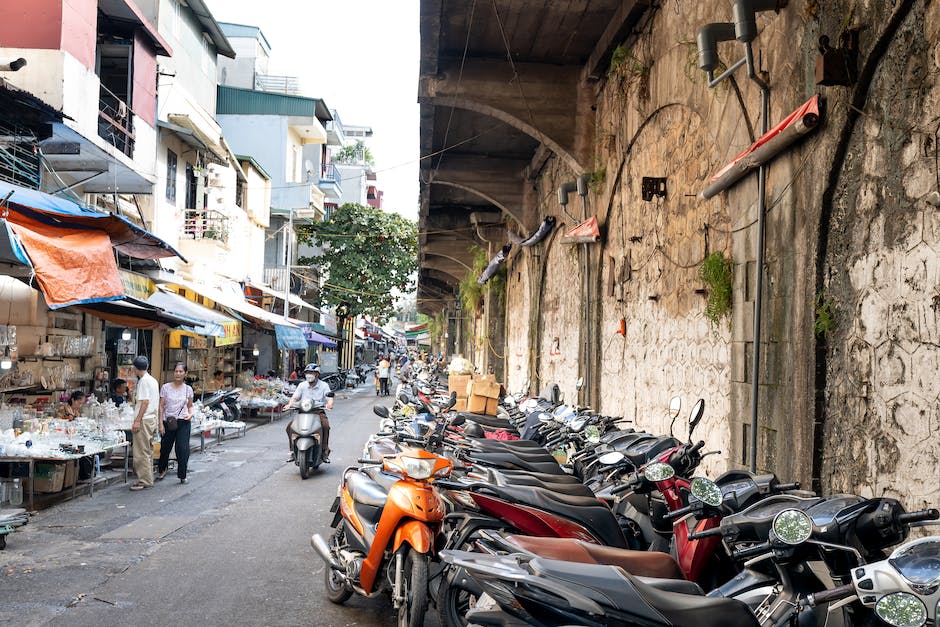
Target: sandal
point(137, 487)
point(161, 476)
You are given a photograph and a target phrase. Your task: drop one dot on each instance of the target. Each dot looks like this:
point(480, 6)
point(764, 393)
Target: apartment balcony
point(115, 122)
point(331, 182)
point(204, 238)
point(298, 196)
point(289, 85)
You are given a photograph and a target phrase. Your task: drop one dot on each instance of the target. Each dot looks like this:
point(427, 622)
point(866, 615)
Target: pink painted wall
point(144, 98)
point(68, 25)
point(35, 24)
point(79, 30)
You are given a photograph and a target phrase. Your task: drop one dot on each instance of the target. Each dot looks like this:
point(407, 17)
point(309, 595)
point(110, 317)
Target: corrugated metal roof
point(235, 101)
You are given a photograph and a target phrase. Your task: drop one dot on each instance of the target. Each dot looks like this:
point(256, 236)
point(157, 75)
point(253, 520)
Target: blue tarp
point(45, 208)
point(290, 338)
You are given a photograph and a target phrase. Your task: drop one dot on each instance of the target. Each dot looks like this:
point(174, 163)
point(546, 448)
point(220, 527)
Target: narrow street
point(230, 547)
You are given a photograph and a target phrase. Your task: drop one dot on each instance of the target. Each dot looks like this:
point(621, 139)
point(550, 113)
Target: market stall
point(264, 399)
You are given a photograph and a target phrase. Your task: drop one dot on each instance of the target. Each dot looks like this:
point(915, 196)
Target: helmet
point(312, 368)
point(473, 430)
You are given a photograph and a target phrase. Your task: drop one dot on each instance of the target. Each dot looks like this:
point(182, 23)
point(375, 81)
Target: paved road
point(230, 547)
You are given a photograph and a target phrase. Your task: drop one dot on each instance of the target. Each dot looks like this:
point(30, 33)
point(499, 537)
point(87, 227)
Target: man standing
point(145, 423)
point(319, 393)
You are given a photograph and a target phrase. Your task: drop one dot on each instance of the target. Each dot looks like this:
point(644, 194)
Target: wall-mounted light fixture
point(5, 362)
point(126, 334)
point(256, 352)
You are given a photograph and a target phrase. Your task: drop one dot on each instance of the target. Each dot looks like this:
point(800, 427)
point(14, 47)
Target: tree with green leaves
point(357, 153)
point(368, 255)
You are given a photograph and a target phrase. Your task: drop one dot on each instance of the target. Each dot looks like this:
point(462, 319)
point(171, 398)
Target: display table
point(30, 463)
point(219, 427)
point(263, 414)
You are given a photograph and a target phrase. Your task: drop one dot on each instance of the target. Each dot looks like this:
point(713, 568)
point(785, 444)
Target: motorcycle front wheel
point(304, 464)
point(414, 590)
point(337, 591)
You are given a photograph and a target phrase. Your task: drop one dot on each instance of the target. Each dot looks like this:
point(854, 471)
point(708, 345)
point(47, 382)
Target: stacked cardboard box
point(458, 383)
point(483, 395)
point(48, 477)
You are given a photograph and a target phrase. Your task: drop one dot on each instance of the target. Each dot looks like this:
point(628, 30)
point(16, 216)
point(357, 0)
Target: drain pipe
point(586, 291)
point(761, 233)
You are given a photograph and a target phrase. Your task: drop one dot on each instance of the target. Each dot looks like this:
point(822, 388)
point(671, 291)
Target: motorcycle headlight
point(306, 405)
point(418, 468)
point(901, 609)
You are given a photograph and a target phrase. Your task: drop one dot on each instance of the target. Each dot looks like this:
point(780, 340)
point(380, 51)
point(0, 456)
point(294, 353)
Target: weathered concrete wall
point(883, 412)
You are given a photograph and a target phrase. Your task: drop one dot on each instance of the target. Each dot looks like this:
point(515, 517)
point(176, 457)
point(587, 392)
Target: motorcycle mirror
point(675, 406)
point(380, 411)
point(543, 417)
point(403, 398)
point(452, 401)
point(706, 491)
point(698, 410)
point(609, 459)
point(658, 471)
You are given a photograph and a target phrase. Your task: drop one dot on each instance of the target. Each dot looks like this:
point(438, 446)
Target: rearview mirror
point(609, 459)
point(452, 401)
point(380, 411)
point(403, 398)
point(698, 410)
point(675, 406)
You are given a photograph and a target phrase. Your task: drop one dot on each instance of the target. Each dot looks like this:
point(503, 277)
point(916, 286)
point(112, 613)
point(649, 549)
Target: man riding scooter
point(320, 395)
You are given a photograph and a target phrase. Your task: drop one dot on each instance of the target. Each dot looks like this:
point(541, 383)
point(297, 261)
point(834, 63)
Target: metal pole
point(759, 284)
point(290, 252)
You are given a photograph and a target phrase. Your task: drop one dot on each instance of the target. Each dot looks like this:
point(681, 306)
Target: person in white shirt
point(147, 394)
point(320, 394)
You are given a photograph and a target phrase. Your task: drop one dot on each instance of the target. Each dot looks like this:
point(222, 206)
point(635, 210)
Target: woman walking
point(176, 410)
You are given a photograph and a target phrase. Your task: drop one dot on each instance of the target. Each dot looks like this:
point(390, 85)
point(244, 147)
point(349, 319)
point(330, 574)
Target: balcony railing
point(280, 84)
point(206, 224)
point(115, 121)
point(329, 173)
point(304, 280)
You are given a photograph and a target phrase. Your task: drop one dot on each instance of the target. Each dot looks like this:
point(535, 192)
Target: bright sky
point(362, 58)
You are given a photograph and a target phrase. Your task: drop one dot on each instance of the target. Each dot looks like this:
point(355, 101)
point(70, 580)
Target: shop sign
point(329, 361)
point(137, 285)
point(233, 333)
point(329, 322)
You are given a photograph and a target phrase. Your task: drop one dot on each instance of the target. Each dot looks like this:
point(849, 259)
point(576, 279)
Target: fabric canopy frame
point(228, 301)
point(210, 322)
point(34, 209)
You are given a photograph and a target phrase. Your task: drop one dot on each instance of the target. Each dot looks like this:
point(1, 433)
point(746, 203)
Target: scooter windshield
point(919, 562)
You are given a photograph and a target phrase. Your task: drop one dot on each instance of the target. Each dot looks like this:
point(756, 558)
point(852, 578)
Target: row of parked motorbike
point(549, 514)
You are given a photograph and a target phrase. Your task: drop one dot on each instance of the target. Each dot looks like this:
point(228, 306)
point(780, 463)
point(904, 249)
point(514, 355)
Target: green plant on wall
point(825, 321)
point(717, 273)
point(627, 65)
point(596, 181)
point(471, 293)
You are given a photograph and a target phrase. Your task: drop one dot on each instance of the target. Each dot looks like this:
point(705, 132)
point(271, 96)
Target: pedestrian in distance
point(383, 372)
point(176, 412)
point(145, 423)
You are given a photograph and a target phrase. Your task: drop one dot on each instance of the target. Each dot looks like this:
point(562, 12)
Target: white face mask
point(311, 378)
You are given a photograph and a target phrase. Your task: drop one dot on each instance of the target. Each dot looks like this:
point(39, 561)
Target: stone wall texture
point(849, 226)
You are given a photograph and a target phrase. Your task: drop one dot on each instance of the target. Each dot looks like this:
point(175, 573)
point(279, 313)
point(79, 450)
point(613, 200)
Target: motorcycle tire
point(453, 601)
point(412, 611)
point(336, 589)
point(304, 465)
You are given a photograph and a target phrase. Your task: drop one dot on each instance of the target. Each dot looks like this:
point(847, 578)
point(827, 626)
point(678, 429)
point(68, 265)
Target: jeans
point(180, 438)
point(384, 385)
point(143, 451)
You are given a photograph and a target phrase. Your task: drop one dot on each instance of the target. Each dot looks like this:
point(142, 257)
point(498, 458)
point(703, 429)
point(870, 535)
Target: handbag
point(171, 423)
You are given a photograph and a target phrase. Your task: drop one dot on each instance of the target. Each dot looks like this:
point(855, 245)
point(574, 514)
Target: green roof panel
point(235, 101)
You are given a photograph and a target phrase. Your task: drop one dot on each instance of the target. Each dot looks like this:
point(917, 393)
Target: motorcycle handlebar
point(697, 447)
point(714, 531)
point(842, 592)
point(369, 461)
point(785, 487)
point(757, 549)
point(625, 486)
point(677, 513)
point(922, 515)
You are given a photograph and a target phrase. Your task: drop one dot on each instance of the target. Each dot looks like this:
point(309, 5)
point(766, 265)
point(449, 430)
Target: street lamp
point(307, 214)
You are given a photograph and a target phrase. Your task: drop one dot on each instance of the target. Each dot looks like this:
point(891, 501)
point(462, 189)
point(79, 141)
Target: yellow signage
point(137, 285)
point(233, 334)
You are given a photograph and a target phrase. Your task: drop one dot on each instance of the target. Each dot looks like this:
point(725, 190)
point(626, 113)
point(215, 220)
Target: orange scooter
point(387, 516)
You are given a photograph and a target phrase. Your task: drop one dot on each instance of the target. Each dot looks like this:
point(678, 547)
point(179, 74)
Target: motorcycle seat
point(533, 455)
point(639, 563)
point(506, 445)
point(570, 489)
point(512, 475)
point(364, 490)
point(615, 588)
point(590, 512)
point(485, 420)
point(384, 479)
point(508, 460)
